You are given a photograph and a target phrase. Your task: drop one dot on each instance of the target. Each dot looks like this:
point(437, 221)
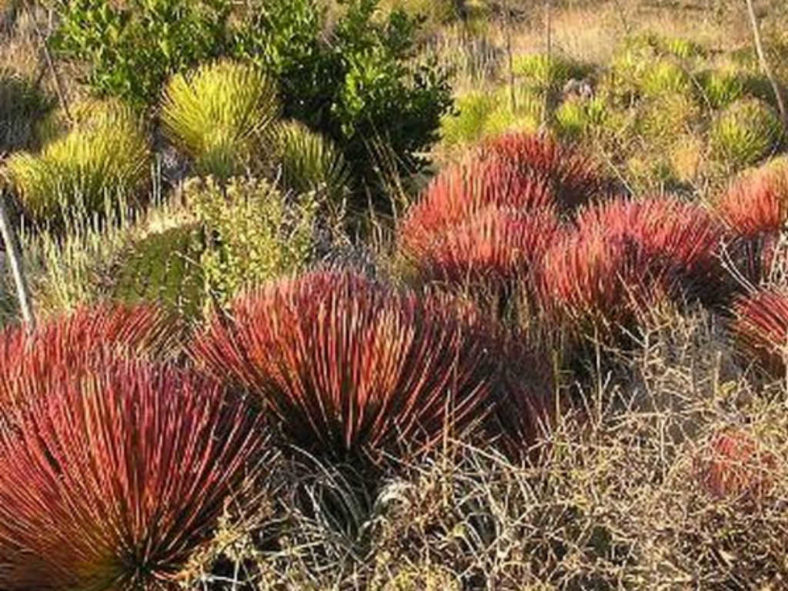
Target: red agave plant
point(353, 368)
point(760, 328)
point(113, 477)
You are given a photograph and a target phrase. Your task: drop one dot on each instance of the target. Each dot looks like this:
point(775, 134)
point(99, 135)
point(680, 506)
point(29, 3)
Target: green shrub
point(253, 233)
point(131, 48)
point(467, 123)
point(722, 87)
point(218, 115)
point(362, 87)
point(103, 160)
point(311, 163)
point(21, 106)
point(744, 133)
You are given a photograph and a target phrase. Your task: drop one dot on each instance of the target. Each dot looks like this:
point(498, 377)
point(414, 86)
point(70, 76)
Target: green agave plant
point(100, 161)
point(665, 77)
point(576, 116)
point(311, 163)
point(744, 133)
point(722, 87)
point(543, 72)
point(219, 114)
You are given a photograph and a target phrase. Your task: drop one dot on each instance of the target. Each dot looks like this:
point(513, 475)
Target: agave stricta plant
point(352, 368)
point(116, 476)
point(760, 328)
point(627, 255)
point(492, 251)
point(572, 175)
point(217, 115)
point(87, 338)
point(682, 237)
point(755, 209)
point(735, 466)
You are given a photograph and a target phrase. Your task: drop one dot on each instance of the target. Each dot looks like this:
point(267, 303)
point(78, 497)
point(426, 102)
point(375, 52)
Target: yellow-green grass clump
point(311, 163)
point(577, 116)
point(253, 233)
point(722, 87)
point(218, 115)
point(544, 72)
point(662, 118)
point(744, 133)
point(98, 163)
point(665, 77)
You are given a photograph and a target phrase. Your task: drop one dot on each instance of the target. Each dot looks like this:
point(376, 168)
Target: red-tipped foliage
point(518, 172)
point(86, 337)
point(351, 367)
point(755, 209)
point(571, 175)
point(495, 248)
point(627, 255)
point(734, 466)
point(115, 476)
point(760, 328)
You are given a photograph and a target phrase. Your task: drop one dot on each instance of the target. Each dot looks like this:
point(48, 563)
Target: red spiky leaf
point(88, 336)
point(626, 256)
point(755, 210)
point(351, 367)
point(735, 466)
point(572, 176)
point(493, 249)
point(114, 476)
point(760, 328)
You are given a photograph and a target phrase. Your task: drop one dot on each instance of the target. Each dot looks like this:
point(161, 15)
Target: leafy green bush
point(253, 233)
point(102, 160)
point(311, 163)
point(744, 133)
point(218, 115)
point(21, 106)
point(360, 88)
point(132, 47)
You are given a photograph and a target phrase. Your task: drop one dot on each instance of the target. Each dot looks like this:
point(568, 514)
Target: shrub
point(21, 106)
point(755, 208)
point(461, 191)
point(665, 78)
point(493, 249)
point(116, 477)
point(83, 339)
point(360, 88)
point(218, 115)
point(736, 467)
point(97, 165)
point(544, 72)
point(627, 256)
point(572, 175)
point(760, 326)
point(722, 87)
point(131, 48)
point(311, 163)
point(254, 234)
point(664, 117)
point(576, 116)
point(353, 369)
point(744, 133)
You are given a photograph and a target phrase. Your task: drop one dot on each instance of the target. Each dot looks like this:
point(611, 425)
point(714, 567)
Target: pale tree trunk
point(14, 258)
point(756, 33)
